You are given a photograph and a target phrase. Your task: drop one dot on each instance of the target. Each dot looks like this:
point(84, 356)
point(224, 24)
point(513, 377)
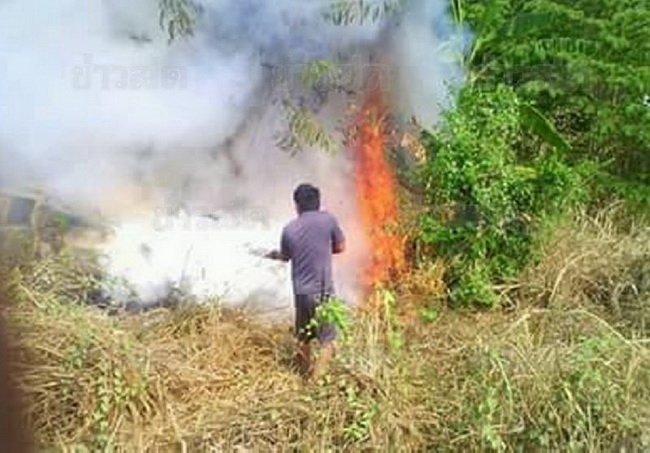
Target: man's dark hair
point(307, 198)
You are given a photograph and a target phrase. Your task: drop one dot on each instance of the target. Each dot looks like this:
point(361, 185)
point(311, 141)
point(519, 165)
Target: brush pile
point(574, 373)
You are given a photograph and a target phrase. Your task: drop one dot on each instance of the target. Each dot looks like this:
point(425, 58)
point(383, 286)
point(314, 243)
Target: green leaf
point(303, 131)
point(353, 12)
point(177, 18)
point(536, 122)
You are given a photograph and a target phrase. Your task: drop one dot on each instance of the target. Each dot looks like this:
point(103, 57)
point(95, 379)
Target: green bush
point(584, 65)
point(487, 207)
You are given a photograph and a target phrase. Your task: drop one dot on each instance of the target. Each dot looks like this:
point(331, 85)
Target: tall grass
point(566, 368)
point(602, 262)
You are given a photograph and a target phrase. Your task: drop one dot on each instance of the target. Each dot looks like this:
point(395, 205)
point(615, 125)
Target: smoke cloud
point(98, 109)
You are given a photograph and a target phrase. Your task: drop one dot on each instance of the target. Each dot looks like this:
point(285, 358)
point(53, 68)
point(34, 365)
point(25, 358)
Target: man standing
point(309, 241)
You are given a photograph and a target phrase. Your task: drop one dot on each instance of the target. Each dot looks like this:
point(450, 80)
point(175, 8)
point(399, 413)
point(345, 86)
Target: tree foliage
point(303, 131)
point(487, 205)
point(584, 64)
point(353, 12)
point(554, 113)
point(177, 17)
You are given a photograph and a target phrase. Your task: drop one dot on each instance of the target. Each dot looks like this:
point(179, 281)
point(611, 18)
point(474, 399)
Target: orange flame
point(376, 192)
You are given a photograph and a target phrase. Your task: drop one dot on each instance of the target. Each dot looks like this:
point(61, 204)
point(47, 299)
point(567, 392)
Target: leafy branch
point(177, 18)
point(322, 71)
point(335, 312)
point(351, 12)
point(303, 131)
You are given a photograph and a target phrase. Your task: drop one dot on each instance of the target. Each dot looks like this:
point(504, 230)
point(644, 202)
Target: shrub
point(487, 206)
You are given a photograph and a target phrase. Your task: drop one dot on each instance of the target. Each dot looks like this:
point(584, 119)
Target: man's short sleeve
point(285, 244)
point(337, 232)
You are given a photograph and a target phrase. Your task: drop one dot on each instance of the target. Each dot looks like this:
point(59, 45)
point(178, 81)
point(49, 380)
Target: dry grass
point(563, 371)
point(599, 263)
point(193, 378)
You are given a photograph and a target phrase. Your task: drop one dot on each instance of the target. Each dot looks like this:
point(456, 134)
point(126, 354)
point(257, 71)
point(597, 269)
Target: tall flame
point(376, 191)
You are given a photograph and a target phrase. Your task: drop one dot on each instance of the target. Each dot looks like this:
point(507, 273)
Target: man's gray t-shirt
point(308, 241)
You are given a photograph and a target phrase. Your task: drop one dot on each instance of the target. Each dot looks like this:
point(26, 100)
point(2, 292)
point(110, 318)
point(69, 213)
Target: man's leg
point(304, 314)
point(303, 358)
point(321, 365)
point(326, 338)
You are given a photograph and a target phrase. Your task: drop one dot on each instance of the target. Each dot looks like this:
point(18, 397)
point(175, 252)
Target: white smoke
point(426, 54)
point(98, 109)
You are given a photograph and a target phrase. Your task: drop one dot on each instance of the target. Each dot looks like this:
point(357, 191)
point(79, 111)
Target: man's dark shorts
point(305, 313)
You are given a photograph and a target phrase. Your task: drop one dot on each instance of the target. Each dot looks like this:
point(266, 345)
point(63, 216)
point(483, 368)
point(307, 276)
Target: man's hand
point(276, 255)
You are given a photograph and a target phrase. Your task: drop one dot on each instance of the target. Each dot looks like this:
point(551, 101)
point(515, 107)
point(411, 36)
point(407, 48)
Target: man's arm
point(284, 254)
point(338, 239)
point(277, 255)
